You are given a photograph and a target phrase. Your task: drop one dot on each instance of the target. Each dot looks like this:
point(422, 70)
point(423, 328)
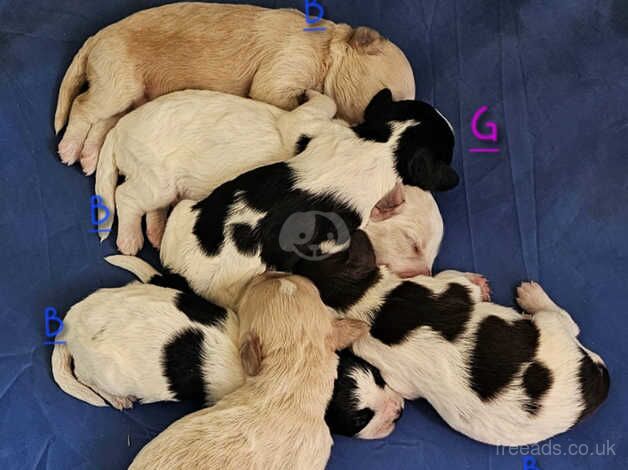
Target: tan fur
point(238, 49)
point(276, 419)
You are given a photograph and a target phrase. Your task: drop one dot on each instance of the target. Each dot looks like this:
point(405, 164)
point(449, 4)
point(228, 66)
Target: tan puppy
point(276, 419)
point(239, 49)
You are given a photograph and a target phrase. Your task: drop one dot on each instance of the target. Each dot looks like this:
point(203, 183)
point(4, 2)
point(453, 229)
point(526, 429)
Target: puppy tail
point(142, 270)
point(65, 378)
point(71, 84)
point(106, 180)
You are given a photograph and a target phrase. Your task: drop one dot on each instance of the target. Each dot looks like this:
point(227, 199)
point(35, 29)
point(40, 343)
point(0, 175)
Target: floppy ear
point(365, 40)
point(346, 331)
point(251, 354)
point(361, 254)
point(446, 178)
point(378, 107)
point(390, 204)
point(430, 174)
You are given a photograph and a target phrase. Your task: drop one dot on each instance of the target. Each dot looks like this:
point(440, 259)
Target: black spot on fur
point(343, 415)
point(200, 310)
point(182, 365)
point(268, 190)
point(594, 384)
point(302, 143)
point(501, 348)
point(171, 280)
point(343, 278)
point(245, 238)
point(537, 380)
point(410, 306)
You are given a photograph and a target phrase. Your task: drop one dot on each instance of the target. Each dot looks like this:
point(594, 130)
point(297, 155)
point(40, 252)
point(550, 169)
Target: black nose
point(399, 413)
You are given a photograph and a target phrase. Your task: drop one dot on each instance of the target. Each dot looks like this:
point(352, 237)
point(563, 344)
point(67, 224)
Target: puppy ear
point(429, 173)
point(390, 204)
point(446, 178)
point(365, 40)
point(346, 331)
point(361, 254)
point(251, 354)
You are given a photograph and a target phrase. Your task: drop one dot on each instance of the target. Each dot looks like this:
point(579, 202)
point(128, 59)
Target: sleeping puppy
point(185, 144)
point(264, 218)
point(493, 374)
point(276, 419)
point(237, 49)
point(197, 360)
point(146, 343)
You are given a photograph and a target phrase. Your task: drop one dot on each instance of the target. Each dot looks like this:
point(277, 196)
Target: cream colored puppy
point(276, 419)
point(238, 49)
point(185, 144)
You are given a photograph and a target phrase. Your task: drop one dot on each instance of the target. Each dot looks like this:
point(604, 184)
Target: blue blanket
point(550, 204)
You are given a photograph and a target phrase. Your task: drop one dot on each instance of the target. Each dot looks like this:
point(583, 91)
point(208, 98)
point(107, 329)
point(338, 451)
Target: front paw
point(482, 283)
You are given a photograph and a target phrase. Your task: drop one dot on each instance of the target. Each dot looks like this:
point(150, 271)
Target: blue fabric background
point(552, 206)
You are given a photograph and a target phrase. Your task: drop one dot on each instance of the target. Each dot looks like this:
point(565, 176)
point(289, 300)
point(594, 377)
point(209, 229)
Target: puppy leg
point(155, 226)
point(119, 403)
point(533, 299)
point(318, 104)
point(93, 143)
point(113, 88)
point(476, 283)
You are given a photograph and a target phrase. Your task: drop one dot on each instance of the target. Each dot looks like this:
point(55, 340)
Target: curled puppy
point(146, 343)
point(185, 144)
point(276, 419)
point(493, 374)
point(237, 49)
point(362, 405)
point(273, 216)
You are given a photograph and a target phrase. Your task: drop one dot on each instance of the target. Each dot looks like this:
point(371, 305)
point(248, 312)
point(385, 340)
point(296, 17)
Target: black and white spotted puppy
point(254, 221)
point(160, 342)
point(496, 375)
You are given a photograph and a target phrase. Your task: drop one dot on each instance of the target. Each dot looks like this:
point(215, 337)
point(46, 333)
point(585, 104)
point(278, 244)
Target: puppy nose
point(399, 413)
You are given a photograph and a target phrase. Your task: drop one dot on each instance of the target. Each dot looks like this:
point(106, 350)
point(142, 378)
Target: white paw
point(69, 151)
point(482, 283)
point(121, 403)
point(130, 243)
point(155, 231)
point(532, 298)
point(89, 158)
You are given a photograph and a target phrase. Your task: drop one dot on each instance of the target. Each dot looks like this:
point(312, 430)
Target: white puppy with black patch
point(185, 144)
point(493, 374)
point(276, 419)
point(276, 215)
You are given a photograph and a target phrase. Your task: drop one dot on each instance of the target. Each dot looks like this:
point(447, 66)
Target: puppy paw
point(532, 298)
point(482, 283)
point(69, 151)
point(155, 226)
point(130, 244)
point(121, 403)
point(89, 158)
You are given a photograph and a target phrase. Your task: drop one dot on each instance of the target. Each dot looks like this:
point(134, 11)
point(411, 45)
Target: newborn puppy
point(237, 49)
point(493, 374)
point(362, 405)
point(186, 144)
point(273, 216)
point(276, 419)
point(147, 343)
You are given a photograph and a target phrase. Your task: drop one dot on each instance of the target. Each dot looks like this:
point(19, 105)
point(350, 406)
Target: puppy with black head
point(493, 374)
point(235, 233)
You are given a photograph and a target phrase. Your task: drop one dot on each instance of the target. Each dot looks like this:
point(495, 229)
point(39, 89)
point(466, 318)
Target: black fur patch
point(537, 380)
point(182, 365)
point(302, 143)
point(410, 306)
point(343, 278)
point(501, 348)
point(245, 238)
point(594, 384)
point(377, 131)
point(268, 189)
point(171, 280)
point(342, 415)
point(200, 310)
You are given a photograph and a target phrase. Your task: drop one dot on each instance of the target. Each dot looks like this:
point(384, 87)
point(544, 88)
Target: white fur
point(425, 365)
point(185, 144)
point(115, 338)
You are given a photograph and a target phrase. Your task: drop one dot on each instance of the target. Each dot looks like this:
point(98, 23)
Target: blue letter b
point(96, 203)
point(51, 315)
point(308, 17)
